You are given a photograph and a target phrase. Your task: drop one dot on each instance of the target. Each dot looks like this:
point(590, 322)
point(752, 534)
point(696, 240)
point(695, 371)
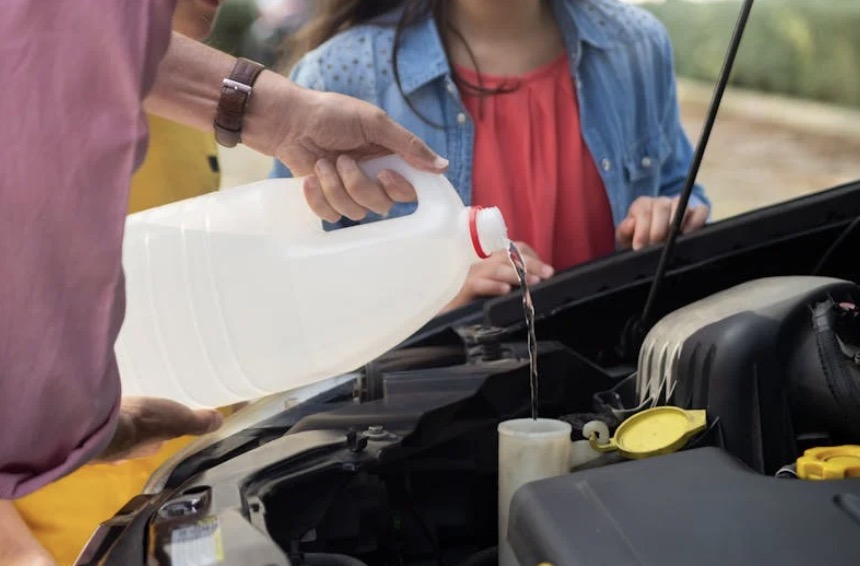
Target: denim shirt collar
point(588, 20)
point(421, 57)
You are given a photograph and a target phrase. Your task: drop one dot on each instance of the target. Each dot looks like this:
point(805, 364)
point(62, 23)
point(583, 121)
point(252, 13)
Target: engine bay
point(399, 466)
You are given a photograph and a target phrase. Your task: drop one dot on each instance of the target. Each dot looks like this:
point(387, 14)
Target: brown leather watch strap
point(235, 92)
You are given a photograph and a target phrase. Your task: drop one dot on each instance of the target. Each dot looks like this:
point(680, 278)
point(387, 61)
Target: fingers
point(335, 193)
point(201, 421)
point(641, 223)
point(650, 220)
point(145, 422)
point(482, 282)
point(366, 192)
point(162, 419)
point(486, 287)
point(397, 188)
point(381, 130)
point(317, 201)
point(503, 272)
point(525, 249)
point(687, 214)
point(696, 218)
point(662, 210)
point(343, 189)
point(496, 276)
point(624, 233)
point(499, 268)
point(537, 269)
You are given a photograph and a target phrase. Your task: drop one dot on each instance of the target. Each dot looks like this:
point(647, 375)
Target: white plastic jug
point(241, 293)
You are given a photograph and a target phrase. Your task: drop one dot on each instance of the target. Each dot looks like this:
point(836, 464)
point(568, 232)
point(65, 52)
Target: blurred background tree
point(233, 25)
point(801, 48)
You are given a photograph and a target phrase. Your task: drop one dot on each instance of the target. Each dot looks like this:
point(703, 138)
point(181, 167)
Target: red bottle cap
point(473, 232)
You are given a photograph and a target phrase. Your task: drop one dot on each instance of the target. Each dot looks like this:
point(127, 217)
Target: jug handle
point(430, 187)
point(435, 192)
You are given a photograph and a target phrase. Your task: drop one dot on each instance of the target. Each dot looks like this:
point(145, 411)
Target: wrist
point(236, 91)
point(270, 117)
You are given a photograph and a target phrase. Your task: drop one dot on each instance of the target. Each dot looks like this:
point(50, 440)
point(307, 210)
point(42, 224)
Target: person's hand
point(18, 546)
point(299, 126)
point(145, 423)
point(14, 555)
point(650, 219)
point(496, 276)
point(328, 134)
point(35, 556)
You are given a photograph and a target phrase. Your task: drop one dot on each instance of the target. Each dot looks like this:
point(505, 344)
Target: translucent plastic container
point(529, 450)
point(241, 293)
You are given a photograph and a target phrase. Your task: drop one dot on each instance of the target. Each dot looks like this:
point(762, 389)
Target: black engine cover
point(738, 354)
point(699, 507)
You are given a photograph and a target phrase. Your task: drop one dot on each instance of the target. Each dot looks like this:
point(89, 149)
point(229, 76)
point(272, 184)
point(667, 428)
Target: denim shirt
point(621, 64)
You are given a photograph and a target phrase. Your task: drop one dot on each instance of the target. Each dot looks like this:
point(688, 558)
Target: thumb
point(165, 419)
point(144, 421)
point(195, 422)
point(397, 139)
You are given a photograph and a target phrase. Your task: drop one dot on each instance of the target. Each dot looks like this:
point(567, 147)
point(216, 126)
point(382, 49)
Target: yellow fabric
point(64, 514)
point(177, 166)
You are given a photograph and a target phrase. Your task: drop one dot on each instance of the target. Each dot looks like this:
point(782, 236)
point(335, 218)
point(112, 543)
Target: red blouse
point(530, 160)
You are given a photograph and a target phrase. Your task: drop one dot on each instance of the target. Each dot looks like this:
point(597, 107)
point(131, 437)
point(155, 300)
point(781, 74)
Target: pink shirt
point(72, 131)
point(531, 162)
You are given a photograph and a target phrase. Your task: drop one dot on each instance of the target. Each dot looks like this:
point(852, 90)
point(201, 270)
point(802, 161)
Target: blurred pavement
point(766, 149)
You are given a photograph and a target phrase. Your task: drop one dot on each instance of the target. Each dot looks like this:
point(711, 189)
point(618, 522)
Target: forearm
point(188, 87)
point(17, 543)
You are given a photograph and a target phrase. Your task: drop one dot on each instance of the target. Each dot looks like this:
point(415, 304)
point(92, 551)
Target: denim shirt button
point(606, 164)
point(450, 87)
point(646, 162)
point(461, 118)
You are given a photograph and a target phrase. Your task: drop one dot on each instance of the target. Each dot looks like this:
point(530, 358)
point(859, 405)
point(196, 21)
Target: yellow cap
point(830, 463)
point(656, 431)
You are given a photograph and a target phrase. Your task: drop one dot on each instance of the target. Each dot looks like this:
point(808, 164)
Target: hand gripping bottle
point(241, 293)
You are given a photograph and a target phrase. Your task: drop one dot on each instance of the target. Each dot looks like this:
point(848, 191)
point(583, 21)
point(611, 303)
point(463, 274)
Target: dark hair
point(331, 17)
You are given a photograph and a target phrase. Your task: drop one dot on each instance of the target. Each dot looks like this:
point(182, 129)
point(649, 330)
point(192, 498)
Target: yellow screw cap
point(661, 430)
point(830, 463)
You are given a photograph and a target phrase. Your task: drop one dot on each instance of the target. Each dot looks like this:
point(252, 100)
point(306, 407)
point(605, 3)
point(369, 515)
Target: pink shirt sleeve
point(71, 133)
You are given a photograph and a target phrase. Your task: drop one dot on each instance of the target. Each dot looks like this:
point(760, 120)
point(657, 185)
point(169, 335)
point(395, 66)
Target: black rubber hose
point(320, 559)
point(842, 384)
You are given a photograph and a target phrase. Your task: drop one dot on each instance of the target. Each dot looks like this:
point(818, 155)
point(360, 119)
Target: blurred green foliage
point(231, 28)
point(802, 48)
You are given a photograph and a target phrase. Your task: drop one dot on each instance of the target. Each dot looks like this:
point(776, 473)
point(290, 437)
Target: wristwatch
point(235, 93)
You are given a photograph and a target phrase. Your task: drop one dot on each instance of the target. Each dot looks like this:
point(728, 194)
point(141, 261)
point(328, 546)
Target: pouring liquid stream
point(528, 308)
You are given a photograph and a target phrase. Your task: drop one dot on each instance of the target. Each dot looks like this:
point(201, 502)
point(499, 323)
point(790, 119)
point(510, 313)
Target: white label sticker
point(197, 545)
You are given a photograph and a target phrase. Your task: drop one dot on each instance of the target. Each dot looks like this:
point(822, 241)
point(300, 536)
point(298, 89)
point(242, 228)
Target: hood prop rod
point(645, 320)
